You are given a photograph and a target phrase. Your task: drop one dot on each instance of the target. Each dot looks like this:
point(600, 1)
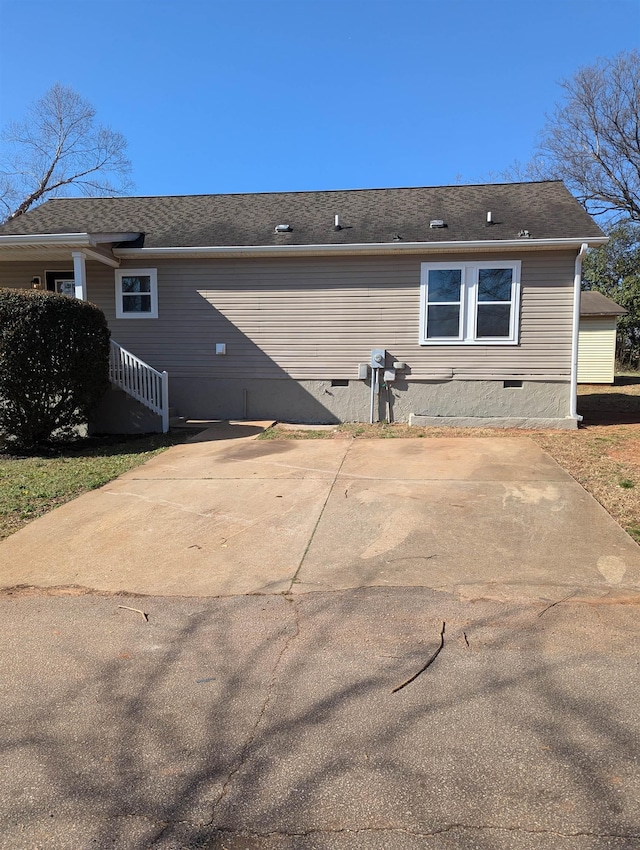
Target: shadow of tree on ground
point(269, 721)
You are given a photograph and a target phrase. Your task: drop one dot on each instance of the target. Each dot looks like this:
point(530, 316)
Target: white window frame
point(469, 302)
point(152, 274)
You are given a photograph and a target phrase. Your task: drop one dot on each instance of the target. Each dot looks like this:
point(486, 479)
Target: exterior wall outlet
point(221, 347)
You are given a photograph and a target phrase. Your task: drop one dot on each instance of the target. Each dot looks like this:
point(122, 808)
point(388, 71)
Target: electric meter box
point(378, 358)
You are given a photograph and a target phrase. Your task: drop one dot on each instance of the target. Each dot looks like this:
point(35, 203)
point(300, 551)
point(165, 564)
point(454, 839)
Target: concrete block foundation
point(330, 402)
point(503, 404)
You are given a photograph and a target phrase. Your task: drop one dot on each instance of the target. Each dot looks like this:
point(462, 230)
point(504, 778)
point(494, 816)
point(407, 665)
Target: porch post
point(80, 274)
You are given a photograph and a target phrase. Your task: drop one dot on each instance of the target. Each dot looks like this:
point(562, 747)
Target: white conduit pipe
point(573, 400)
point(374, 378)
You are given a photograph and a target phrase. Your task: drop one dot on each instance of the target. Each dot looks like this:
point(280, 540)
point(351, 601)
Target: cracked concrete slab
point(497, 537)
point(486, 517)
point(270, 723)
point(516, 459)
point(215, 538)
point(246, 459)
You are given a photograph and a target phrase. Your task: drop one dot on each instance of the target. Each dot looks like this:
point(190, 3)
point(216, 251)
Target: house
point(447, 305)
point(597, 338)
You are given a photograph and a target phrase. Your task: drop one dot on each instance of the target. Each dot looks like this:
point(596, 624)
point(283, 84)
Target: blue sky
point(282, 95)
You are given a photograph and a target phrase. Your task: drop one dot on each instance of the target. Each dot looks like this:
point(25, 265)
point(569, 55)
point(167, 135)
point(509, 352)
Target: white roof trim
point(78, 240)
point(39, 240)
point(359, 248)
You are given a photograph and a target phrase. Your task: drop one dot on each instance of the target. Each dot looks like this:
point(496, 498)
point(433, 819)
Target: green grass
point(31, 486)
point(634, 531)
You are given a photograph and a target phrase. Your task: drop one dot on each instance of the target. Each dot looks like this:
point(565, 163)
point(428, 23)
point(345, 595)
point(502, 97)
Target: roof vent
point(336, 223)
point(524, 234)
point(489, 218)
point(437, 222)
point(283, 228)
point(397, 238)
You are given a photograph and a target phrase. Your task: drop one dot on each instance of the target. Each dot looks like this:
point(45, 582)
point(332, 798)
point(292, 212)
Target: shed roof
point(596, 304)
point(546, 210)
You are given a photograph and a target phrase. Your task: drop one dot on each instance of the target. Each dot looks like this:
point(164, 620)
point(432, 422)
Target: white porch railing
point(140, 381)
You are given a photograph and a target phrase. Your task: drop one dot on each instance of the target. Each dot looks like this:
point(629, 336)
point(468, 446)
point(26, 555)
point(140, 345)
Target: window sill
point(478, 343)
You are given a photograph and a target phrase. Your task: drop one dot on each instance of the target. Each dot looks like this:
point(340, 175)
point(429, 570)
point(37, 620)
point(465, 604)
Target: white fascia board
point(41, 240)
point(77, 240)
point(358, 248)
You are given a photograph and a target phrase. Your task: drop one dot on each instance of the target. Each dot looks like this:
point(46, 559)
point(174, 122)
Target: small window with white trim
point(136, 294)
point(470, 303)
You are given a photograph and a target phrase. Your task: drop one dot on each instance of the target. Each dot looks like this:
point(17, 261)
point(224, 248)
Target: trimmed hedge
point(54, 364)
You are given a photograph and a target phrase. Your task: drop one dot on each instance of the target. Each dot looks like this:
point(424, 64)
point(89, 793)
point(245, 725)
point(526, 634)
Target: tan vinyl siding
point(19, 275)
point(597, 350)
point(317, 318)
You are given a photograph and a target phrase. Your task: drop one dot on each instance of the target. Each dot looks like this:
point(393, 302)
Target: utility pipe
point(374, 373)
point(573, 401)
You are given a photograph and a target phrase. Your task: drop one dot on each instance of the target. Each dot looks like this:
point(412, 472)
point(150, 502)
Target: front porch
point(73, 265)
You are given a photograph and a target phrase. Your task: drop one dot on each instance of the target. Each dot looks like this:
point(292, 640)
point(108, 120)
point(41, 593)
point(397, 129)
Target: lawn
point(603, 455)
point(31, 486)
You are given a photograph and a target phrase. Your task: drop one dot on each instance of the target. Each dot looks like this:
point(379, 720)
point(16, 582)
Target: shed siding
point(317, 318)
point(596, 350)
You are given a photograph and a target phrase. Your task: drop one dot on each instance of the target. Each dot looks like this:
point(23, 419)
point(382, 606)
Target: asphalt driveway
point(245, 719)
point(485, 518)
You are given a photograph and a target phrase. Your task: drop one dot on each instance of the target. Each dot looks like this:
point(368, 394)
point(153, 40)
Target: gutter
point(577, 279)
point(370, 248)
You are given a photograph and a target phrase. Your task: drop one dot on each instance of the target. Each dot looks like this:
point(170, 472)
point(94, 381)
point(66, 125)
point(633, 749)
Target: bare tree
point(58, 149)
point(592, 139)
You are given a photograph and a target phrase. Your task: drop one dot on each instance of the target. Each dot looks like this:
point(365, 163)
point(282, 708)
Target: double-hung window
point(470, 303)
point(136, 294)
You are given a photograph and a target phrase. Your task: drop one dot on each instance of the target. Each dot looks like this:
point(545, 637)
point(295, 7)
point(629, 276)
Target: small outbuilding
point(597, 338)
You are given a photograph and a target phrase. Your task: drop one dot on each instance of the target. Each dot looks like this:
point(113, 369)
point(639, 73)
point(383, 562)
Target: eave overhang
point(59, 246)
point(370, 249)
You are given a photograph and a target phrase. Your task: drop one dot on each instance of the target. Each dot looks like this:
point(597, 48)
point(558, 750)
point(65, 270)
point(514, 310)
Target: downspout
point(573, 402)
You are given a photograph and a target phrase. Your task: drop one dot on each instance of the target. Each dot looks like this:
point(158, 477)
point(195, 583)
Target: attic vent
point(437, 222)
point(283, 228)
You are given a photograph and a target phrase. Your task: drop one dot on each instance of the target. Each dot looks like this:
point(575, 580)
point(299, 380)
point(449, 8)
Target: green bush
point(54, 364)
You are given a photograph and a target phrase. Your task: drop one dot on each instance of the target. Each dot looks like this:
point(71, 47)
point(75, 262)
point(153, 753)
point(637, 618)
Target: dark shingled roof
point(546, 210)
point(597, 304)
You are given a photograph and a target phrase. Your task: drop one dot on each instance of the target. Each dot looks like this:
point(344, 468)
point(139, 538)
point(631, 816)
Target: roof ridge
point(302, 191)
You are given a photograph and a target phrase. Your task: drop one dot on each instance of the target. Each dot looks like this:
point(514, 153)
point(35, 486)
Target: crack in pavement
point(305, 833)
point(244, 755)
point(167, 824)
point(315, 527)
